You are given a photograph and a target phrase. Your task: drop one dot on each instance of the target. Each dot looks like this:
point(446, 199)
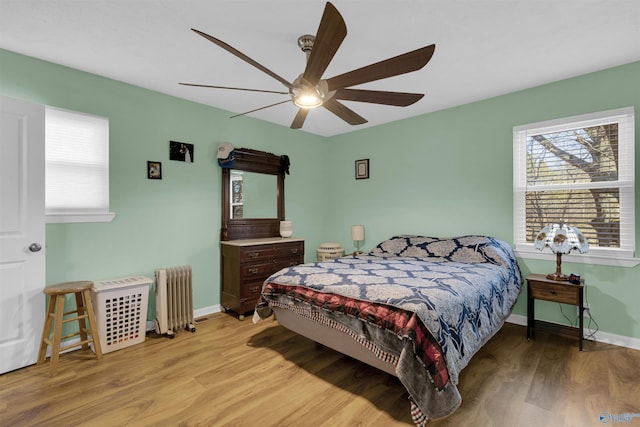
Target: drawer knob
point(553, 292)
point(254, 254)
point(254, 270)
point(294, 250)
point(254, 289)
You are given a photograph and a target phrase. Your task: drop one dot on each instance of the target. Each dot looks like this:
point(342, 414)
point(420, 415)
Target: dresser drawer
point(253, 272)
point(250, 291)
point(257, 254)
point(256, 272)
point(248, 304)
point(566, 294)
point(286, 250)
point(289, 262)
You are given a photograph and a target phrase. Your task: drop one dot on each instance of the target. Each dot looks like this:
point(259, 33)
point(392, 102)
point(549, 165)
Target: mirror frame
point(252, 228)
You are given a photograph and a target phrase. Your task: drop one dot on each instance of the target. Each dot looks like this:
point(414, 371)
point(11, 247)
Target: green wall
point(168, 222)
point(442, 174)
point(450, 173)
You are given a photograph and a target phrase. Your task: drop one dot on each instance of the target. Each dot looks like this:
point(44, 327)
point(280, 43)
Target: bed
point(416, 307)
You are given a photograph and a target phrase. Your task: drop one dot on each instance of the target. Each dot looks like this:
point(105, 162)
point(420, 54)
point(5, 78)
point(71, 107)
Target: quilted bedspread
point(439, 299)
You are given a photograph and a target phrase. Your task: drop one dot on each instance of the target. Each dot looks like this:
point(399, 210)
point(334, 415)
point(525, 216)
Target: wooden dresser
point(246, 264)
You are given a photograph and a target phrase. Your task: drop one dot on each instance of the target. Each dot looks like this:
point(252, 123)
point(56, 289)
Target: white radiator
point(174, 300)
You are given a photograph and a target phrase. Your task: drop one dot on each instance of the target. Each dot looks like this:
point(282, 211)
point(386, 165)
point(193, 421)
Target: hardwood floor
point(232, 373)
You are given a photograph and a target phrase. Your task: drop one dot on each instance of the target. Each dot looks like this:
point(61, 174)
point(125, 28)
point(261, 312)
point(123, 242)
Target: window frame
point(54, 216)
point(235, 176)
point(623, 256)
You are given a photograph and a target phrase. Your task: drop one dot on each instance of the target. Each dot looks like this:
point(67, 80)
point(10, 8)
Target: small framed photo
point(154, 170)
point(362, 169)
point(181, 151)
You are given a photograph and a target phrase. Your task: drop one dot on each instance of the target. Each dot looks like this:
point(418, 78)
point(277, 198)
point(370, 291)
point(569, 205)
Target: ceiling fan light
point(307, 98)
point(307, 101)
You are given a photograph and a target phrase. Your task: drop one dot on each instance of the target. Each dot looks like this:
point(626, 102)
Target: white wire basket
point(328, 251)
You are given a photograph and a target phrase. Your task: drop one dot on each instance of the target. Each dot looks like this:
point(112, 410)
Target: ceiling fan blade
point(261, 108)
point(236, 88)
point(401, 64)
point(398, 99)
point(345, 113)
point(242, 56)
point(299, 119)
point(331, 32)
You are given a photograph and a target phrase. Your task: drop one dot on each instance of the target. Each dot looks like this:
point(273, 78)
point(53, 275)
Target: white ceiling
point(484, 48)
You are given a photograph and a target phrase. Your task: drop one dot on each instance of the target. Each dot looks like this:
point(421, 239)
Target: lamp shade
point(561, 238)
point(286, 228)
point(357, 232)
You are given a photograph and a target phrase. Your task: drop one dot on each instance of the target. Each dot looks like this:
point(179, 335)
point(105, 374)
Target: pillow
point(467, 249)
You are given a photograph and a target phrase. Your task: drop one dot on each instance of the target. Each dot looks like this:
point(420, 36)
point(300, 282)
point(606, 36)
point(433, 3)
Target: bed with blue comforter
point(426, 305)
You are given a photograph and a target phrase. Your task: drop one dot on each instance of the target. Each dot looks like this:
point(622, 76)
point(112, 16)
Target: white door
point(22, 233)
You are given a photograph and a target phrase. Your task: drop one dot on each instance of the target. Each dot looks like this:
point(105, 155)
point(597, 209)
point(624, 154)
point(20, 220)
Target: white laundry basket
point(121, 311)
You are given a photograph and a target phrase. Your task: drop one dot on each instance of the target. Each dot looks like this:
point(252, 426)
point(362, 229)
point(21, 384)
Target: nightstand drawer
point(566, 294)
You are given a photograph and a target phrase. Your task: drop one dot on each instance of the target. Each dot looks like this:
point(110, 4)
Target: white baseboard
point(517, 319)
point(200, 312)
point(69, 342)
point(207, 310)
point(600, 336)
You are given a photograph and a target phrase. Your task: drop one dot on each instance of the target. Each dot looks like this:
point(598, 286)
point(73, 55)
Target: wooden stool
point(55, 314)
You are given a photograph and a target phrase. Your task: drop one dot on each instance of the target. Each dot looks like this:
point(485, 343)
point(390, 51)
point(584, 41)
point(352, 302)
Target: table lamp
point(561, 239)
point(357, 235)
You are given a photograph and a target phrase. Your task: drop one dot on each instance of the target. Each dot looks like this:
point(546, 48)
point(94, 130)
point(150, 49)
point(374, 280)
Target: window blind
point(77, 163)
point(578, 170)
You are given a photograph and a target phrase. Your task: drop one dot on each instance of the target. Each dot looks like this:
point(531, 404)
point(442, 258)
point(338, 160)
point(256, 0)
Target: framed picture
point(154, 170)
point(181, 151)
point(362, 169)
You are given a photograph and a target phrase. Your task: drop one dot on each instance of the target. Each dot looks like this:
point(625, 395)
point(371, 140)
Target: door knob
point(34, 247)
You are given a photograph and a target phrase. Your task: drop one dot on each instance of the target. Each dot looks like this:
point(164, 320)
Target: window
point(578, 170)
point(236, 195)
point(76, 167)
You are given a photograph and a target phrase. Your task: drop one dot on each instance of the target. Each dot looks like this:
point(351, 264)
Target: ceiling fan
point(310, 91)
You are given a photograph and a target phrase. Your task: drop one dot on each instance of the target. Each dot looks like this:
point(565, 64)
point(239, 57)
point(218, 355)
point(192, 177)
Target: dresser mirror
point(252, 196)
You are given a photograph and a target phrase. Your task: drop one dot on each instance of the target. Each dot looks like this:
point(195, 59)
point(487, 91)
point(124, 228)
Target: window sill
point(79, 217)
point(579, 258)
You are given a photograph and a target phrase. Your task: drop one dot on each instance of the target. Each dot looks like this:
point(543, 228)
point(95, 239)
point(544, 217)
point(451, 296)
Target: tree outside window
point(577, 171)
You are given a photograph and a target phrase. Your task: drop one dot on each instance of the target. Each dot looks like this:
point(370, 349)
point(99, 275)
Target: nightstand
point(539, 287)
